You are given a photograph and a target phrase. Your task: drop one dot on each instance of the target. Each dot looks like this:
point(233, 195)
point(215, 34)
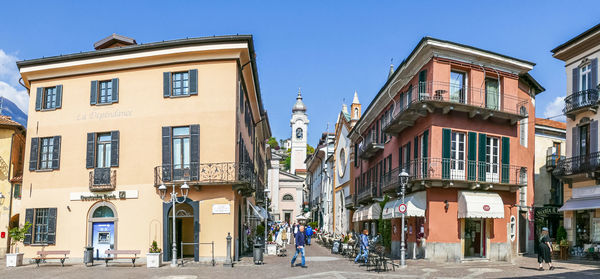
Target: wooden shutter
point(34, 155)
point(94, 92)
point(575, 141)
point(425, 142)
point(56, 153)
point(594, 75)
point(91, 152)
point(400, 166)
point(59, 93)
point(594, 138)
point(193, 81)
point(28, 219)
point(446, 134)
point(195, 152)
point(51, 226)
point(472, 157)
point(166, 154)
point(575, 81)
point(166, 84)
point(505, 159)
point(114, 148)
point(115, 90)
point(39, 98)
point(482, 156)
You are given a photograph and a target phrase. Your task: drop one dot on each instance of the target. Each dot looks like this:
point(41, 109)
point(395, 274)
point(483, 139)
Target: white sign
point(102, 196)
point(221, 208)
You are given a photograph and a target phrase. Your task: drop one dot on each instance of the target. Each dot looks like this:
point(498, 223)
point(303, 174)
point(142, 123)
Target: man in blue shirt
point(363, 239)
point(309, 233)
point(300, 240)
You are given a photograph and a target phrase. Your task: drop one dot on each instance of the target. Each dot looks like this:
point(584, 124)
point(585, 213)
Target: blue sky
point(328, 48)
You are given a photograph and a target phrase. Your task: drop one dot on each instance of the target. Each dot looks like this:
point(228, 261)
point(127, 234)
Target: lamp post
point(267, 191)
point(184, 192)
point(403, 177)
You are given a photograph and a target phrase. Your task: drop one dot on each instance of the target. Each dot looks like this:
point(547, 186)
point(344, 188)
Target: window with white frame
point(584, 73)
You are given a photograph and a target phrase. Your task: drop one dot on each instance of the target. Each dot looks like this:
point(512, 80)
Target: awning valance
point(581, 204)
point(371, 212)
point(356, 216)
point(416, 204)
point(480, 205)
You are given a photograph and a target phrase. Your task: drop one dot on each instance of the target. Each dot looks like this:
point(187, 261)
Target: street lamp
point(267, 191)
point(403, 177)
point(184, 192)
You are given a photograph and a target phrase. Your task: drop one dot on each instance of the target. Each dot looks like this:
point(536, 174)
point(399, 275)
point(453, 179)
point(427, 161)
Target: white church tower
point(299, 124)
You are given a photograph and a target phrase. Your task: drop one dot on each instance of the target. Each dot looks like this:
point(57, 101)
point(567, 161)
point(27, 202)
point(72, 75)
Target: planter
point(153, 259)
point(13, 260)
point(271, 249)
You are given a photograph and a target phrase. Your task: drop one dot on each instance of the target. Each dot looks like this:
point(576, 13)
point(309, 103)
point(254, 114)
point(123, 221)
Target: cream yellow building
point(12, 143)
point(109, 126)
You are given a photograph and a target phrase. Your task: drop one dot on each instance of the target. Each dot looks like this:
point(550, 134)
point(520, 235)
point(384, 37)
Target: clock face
point(299, 133)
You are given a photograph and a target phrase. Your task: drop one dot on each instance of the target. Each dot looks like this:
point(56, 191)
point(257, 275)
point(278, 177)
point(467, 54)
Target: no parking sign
point(402, 208)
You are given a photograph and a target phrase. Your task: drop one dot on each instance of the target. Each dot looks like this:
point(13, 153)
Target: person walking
point(309, 233)
point(295, 229)
point(363, 239)
point(545, 250)
point(300, 240)
point(289, 234)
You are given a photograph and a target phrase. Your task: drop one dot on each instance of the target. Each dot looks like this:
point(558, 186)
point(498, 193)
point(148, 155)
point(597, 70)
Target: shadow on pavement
point(594, 273)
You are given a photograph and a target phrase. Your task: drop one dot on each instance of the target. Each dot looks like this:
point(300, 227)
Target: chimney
point(114, 40)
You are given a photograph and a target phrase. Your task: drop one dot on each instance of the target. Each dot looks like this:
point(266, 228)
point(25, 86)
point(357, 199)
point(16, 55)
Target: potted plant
point(154, 256)
point(271, 246)
point(16, 235)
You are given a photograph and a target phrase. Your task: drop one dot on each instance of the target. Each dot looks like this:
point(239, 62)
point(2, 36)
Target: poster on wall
point(567, 223)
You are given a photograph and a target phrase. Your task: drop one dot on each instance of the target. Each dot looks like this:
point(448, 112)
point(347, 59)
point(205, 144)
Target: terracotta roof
point(300, 170)
point(6, 120)
point(550, 123)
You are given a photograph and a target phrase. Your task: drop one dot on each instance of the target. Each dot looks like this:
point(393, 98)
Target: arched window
point(103, 212)
point(355, 113)
point(288, 197)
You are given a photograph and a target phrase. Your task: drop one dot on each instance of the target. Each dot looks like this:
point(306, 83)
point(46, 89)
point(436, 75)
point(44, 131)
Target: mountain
point(8, 108)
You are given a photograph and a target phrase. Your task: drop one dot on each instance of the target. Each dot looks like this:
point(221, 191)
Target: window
point(105, 92)
point(288, 197)
point(584, 77)
point(181, 83)
point(584, 134)
point(492, 94)
point(17, 191)
point(457, 154)
point(47, 149)
point(492, 159)
point(40, 225)
point(457, 87)
point(355, 113)
point(103, 212)
point(103, 143)
point(50, 98)
point(181, 152)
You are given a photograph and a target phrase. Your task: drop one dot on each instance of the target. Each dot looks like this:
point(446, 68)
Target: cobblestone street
point(321, 264)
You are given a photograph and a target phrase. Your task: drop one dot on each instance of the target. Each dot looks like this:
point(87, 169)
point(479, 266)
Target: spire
point(391, 69)
point(299, 106)
point(355, 100)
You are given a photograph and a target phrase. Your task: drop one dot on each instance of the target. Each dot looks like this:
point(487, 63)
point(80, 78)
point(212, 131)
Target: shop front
point(415, 240)
point(477, 211)
point(366, 218)
point(582, 219)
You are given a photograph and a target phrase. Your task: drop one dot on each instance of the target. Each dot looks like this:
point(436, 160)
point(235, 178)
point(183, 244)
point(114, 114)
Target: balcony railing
point(349, 201)
point(578, 165)
point(367, 192)
point(369, 146)
point(103, 179)
point(552, 161)
point(207, 174)
point(390, 181)
point(467, 171)
point(428, 96)
point(580, 100)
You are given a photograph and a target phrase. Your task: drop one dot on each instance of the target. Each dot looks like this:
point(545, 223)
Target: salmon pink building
point(460, 121)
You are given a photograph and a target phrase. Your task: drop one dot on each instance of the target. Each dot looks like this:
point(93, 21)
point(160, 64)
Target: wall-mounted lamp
point(446, 205)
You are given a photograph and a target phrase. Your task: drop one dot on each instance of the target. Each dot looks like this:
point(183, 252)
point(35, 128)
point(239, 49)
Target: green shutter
point(28, 219)
point(166, 84)
point(193, 81)
point(505, 159)
point(446, 153)
point(425, 151)
point(94, 92)
point(472, 157)
point(416, 156)
point(400, 167)
point(482, 156)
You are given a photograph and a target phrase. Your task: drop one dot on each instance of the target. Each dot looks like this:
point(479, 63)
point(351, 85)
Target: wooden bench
point(115, 255)
point(43, 256)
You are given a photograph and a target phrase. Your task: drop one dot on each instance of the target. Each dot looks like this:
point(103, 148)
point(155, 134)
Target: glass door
point(492, 160)
point(457, 87)
point(474, 238)
point(457, 156)
point(492, 94)
point(103, 238)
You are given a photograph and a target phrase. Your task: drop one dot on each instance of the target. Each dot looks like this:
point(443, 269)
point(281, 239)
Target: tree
point(286, 163)
point(273, 143)
point(309, 149)
point(17, 234)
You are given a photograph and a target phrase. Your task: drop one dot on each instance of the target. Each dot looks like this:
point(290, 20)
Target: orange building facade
point(460, 121)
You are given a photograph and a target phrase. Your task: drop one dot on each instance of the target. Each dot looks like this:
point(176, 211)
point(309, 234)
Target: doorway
point(288, 217)
point(474, 238)
point(184, 227)
point(492, 160)
point(102, 228)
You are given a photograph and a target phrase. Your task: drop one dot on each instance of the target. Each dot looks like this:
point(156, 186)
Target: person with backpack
point(363, 239)
point(309, 233)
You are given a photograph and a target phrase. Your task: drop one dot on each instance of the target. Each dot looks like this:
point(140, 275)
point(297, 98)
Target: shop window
point(288, 197)
point(513, 228)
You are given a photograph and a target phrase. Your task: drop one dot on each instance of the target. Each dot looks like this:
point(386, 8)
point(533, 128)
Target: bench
point(43, 256)
point(115, 255)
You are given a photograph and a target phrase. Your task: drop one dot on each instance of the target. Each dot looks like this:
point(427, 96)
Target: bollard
point(228, 262)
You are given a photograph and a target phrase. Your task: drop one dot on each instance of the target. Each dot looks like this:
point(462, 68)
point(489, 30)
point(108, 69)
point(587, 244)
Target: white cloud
point(19, 97)
point(9, 81)
point(554, 109)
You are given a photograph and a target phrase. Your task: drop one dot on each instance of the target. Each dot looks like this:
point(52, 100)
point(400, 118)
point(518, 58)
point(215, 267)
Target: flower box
point(153, 259)
point(14, 260)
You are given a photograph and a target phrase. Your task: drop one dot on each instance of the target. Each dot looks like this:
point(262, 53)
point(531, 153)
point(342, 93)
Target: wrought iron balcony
point(367, 192)
point(582, 164)
point(450, 170)
point(390, 181)
point(429, 96)
point(369, 146)
point(552, 161)
point(581, 101)
point(349, 201)
point(103, 179)
point(227, 173)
